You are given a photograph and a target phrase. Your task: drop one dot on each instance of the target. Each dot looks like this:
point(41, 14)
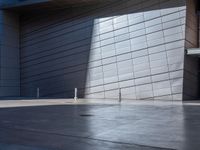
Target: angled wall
point(137, 46)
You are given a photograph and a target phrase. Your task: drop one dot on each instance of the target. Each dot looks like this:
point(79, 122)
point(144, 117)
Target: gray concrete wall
point(137, 46)
point(9, 54)
point(191, 65)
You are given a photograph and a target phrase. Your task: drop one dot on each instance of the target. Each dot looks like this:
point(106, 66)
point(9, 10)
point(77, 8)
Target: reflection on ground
point(99, 125)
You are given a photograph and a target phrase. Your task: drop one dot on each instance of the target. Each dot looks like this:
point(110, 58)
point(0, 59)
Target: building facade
point(100, 47)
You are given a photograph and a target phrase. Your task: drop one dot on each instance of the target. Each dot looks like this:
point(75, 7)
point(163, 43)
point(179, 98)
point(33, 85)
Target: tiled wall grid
point(136, 46)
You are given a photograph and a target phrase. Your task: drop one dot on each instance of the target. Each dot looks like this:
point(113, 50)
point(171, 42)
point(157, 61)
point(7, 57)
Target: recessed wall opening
point(198, 17)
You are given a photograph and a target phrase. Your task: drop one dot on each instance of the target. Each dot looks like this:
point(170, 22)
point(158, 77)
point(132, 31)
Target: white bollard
point(38, 93)
point(75, 94)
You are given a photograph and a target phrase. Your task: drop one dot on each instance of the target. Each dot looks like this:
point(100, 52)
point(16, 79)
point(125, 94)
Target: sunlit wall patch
point(138, 51)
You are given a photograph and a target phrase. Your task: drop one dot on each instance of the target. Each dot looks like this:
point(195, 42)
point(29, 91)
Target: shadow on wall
point(99, 49)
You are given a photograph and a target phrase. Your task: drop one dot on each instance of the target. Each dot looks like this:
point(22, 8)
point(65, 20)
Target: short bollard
point(120, 95)
point(38, 93)
point(75, 94)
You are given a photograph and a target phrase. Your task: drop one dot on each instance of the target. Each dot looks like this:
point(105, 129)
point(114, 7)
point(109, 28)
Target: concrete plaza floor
point(99, 125)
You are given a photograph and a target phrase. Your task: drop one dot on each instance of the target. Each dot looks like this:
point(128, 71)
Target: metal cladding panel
point(135, 46)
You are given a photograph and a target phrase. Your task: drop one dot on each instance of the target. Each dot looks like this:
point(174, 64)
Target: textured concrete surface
point(97, 125)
